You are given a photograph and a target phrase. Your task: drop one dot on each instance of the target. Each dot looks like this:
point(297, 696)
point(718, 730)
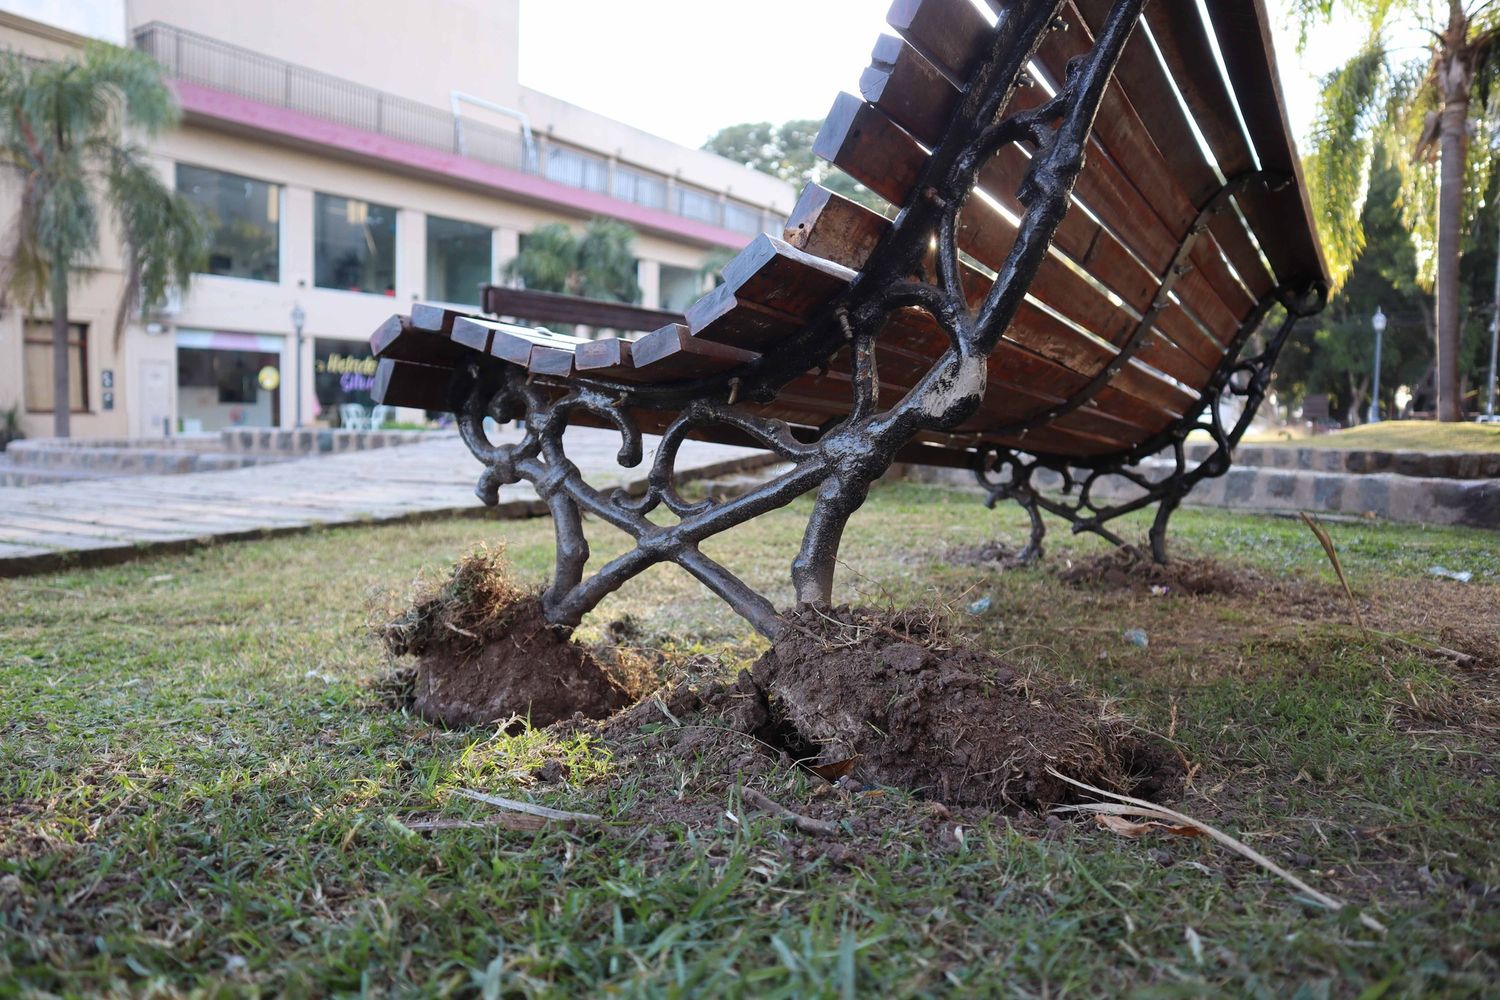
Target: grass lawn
point(202, 791)
point(1394, 435)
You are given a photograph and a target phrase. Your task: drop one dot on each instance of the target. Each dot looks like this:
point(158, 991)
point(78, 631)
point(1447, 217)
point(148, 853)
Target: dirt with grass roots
point(920, 710)
point(484, 654)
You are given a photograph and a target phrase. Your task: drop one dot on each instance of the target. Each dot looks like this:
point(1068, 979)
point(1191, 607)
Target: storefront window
point(228, 380)
point(243, 218)
point(458, 259)
point(343, 374)
point(354, 245)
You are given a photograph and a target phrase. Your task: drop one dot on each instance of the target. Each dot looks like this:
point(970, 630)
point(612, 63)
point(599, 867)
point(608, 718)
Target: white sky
point(681, 69)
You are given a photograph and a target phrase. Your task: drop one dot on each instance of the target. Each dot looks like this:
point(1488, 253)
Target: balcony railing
point(208, 62)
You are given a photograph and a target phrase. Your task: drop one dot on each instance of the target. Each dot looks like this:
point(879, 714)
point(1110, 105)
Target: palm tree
point(1422, 109)
point(64, 130)
point(598, 265)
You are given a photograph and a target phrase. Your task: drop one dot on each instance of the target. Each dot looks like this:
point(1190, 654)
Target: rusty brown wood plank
point(551, 307)
point(672, 353)
point(406, 383)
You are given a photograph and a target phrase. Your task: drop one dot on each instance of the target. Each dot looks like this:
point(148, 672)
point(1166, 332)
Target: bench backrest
point(1188, 219)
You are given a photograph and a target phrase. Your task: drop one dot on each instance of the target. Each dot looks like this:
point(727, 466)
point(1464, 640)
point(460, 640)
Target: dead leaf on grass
point(1126, 828)
point(835, 770)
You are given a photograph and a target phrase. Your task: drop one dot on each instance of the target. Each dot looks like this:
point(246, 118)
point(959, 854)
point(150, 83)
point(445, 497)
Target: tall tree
point(600, 264)
point(786, 151)
point(66, 129)
point(1426, 109)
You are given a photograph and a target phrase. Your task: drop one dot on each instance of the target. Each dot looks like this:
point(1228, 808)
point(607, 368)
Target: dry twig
point(515, 805)
point(1321, 534)
point(804, 823)
point(1124, 805)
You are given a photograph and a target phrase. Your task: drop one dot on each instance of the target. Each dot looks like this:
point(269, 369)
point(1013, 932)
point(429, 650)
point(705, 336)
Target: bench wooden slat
point(434, 319)
point(504, 340)
point(770, 289)
point(1182, 40)
point(1243, 28)
point(1144, 129)
point(406, 383)
point(550, 307)
point(609, 358)
point(554, 361)
point(673, 353)
point(951, 34)
point(819, 214)
point(909, 89)
point(397, 338)
point(868, 146)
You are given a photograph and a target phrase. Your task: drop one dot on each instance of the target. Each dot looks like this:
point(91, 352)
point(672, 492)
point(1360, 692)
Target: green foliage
point(1336, 356)
point(1338, 164)
point(1378, 99)
point(64, 128)
point(606, 262)
point(600, 264)
point(786, 151)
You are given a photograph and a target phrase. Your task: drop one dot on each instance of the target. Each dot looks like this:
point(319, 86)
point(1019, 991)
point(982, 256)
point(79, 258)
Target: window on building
point(639, 187)
point(695, 204)
point(680, 287)
point(458, 259)
point(354, 245)
point(243, 218)
point(343, 373)
point(38, 366)
point(741, 218)
point(576, 169)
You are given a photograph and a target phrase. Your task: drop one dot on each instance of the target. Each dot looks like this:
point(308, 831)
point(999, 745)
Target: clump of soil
point(1126, 569)
point(485, 654)
point(921, 711)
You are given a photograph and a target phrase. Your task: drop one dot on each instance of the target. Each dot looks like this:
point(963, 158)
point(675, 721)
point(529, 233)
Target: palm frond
point(1338, 162)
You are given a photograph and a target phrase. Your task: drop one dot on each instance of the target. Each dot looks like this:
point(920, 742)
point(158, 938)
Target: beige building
point(350, 165)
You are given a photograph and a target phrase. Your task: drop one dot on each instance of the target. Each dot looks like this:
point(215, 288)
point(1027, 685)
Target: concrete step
point(44, 454)
point(215, 460)
point(1471, 503)
point(12, 475)
point(1420, 464)
point(315, 441)
point(728, 487)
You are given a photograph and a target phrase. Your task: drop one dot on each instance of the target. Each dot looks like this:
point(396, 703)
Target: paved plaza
point(94, 522)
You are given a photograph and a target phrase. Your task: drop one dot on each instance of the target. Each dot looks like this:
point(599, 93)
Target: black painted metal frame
point(846, 458)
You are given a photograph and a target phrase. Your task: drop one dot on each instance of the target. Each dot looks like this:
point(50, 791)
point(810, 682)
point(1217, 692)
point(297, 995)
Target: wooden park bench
point(1097, 229)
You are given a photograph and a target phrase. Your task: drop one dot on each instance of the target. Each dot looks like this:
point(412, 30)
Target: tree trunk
point(62, 396)
point(1453, 137)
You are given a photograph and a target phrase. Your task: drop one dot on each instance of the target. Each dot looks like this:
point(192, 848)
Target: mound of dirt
point(485, 653)
point(1124, 569)
point(531, 670)
point(920, 711)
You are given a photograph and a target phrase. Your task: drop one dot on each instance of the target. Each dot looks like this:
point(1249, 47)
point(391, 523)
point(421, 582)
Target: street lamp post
point(1377, 321)
point(299, 317)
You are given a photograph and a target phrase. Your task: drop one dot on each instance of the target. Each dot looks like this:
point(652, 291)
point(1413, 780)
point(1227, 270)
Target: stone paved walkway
point(107, 521)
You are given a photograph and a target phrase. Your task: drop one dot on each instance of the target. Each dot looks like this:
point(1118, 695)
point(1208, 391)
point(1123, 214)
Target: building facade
point(348, 166)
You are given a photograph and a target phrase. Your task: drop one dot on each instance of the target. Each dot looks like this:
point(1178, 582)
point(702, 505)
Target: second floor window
point(354, 245)
point(458, 259)
point(243, 218)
